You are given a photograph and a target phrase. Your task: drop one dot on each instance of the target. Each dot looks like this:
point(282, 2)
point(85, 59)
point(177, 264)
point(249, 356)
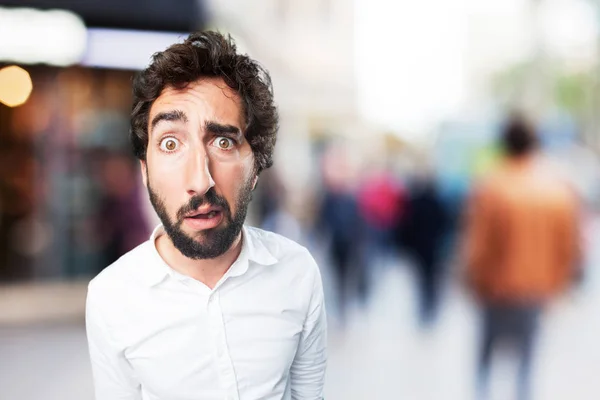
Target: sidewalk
point(43, 302)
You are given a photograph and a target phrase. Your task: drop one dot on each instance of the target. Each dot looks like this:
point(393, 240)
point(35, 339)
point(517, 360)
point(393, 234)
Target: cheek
point(230, 178)
point(166, 170)
point(166, 182)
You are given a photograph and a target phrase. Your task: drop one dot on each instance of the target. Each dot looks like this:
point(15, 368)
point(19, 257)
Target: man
point(422, 233)
point(207, 308)
point(521, 248)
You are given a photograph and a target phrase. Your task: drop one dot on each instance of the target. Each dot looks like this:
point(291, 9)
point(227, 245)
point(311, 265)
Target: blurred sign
point(60, 37)
point(164, 15)
point(30, 36)
point(125, 49)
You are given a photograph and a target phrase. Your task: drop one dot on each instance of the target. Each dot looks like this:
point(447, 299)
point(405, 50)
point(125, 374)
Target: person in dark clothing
point(338, 218)
point(120, 220)
point(339, 224)
point(422, 233)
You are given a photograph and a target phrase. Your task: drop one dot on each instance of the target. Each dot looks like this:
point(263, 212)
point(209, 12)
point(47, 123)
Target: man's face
point(199, 168)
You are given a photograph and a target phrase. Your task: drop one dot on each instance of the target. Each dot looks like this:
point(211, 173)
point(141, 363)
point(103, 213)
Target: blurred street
point(381, 354)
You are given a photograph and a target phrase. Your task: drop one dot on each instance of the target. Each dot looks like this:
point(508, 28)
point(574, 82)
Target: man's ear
point(144, 169)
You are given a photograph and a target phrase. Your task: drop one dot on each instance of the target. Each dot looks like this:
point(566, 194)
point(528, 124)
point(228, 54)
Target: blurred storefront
point(71, 200)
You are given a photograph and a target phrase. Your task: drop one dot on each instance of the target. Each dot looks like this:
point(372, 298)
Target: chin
point(203, 236)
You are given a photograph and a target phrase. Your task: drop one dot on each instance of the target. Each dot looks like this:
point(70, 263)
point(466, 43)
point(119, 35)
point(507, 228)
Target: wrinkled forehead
point(210, 98)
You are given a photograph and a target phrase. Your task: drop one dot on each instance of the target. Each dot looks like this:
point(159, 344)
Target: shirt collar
point(156, 270)
point(253, 250)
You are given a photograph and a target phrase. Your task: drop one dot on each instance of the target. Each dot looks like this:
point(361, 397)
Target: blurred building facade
point(308, 49)
point(71, 200)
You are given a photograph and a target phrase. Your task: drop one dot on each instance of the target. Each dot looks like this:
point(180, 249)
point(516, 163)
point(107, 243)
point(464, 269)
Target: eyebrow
point(220, 129)
point(174, 115)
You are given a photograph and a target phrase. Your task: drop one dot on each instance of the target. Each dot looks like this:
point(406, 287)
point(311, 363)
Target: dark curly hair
point(209, 54)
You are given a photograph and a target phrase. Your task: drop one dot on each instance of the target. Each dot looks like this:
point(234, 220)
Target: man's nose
point(199, 178)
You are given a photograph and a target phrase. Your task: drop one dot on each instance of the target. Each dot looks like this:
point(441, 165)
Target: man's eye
point(224, 143)
point(169, 144)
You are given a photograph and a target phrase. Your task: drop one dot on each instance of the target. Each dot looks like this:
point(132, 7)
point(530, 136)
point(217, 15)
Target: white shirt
point(154, 333)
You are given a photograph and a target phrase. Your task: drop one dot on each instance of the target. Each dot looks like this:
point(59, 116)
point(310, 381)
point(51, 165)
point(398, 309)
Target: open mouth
point(208, 215)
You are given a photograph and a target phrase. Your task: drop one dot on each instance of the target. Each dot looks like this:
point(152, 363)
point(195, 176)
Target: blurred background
point(390, 111)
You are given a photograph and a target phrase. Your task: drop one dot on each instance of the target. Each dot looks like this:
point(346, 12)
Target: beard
point(210, 243)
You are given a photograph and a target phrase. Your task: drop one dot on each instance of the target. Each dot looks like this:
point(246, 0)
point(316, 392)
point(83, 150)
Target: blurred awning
point(156, 15)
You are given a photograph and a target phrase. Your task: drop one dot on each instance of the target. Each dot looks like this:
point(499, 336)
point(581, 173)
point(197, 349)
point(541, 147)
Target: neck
point(207, 271)
point(521, 159)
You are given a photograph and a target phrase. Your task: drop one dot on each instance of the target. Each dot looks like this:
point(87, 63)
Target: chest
point(183, 345)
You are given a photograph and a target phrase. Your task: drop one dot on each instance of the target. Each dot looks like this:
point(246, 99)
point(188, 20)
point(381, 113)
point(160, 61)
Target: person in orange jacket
point(521, 247)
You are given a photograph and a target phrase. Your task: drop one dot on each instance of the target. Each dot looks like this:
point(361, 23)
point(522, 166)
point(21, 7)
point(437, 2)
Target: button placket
point(225, 365)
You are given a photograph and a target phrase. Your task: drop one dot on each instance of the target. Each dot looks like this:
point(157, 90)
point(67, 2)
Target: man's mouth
point(204, 213)
point(208, 215)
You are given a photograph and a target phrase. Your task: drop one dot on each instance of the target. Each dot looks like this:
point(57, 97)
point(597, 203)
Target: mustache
point(211, 198)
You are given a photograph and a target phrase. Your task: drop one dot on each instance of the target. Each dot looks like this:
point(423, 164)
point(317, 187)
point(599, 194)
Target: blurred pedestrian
point(339, 224)
point(422, 231)
point(521, 249)
point(120, 221)
point(381, 203)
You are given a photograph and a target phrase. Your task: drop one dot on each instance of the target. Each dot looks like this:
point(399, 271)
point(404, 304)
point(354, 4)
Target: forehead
point(208, 98)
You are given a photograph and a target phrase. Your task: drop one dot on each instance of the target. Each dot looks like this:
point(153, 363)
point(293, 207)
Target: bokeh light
point(15, 86)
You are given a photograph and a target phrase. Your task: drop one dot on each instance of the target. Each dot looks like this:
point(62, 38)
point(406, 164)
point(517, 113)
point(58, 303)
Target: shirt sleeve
point(113, 376)
point(307, 373)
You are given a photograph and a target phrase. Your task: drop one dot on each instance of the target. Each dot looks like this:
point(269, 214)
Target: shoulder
point(288, 253)
point(124, 272)
point(279, 246)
